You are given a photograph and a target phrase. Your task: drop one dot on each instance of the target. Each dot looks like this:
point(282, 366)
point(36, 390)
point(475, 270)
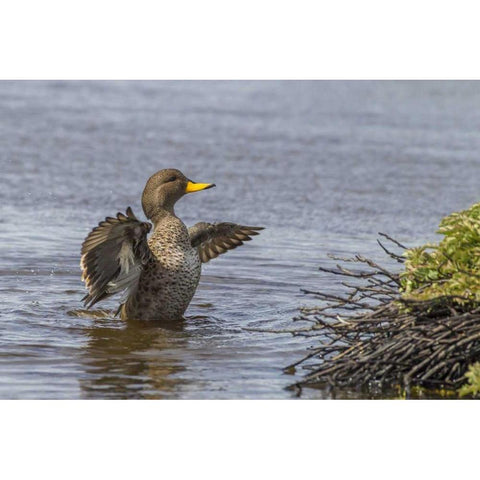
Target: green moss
point(472, 387)
point(450, 268)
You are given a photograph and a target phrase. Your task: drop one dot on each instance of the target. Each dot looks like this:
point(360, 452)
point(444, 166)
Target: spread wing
point(113, 255)
point(213, 239)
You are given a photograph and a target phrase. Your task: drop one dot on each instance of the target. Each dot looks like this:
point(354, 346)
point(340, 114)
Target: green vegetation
point(472, 387)
point(417, 329)
point(449, 269)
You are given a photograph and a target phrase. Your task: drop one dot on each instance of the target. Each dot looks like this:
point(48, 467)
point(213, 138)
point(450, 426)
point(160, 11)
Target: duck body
point(170, 278)
point(158, 275)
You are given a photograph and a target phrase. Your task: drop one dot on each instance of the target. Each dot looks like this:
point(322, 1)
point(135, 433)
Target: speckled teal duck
point(157, 275)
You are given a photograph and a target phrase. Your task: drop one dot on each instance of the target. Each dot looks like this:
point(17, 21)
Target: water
point(323, 165)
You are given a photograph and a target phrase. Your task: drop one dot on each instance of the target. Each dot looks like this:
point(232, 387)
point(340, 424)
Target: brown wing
point(213, 239)
point(113, 255)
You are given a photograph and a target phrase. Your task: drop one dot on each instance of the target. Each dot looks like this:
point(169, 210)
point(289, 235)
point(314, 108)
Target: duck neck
point(161, 214)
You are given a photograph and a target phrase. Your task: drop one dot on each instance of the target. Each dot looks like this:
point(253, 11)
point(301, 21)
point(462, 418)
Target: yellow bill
point(196, 187)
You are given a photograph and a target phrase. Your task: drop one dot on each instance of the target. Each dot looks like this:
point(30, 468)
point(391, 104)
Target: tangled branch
point(372, 336)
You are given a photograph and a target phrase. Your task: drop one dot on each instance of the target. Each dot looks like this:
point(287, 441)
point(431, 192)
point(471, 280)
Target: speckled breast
point(169, 280)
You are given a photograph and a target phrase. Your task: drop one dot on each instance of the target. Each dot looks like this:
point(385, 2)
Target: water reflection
point(132, 360)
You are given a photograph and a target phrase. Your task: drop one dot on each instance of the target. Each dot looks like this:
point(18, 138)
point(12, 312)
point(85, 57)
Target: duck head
point(164, 189)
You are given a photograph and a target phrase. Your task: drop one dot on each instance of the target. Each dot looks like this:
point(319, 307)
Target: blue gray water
point(323, 165)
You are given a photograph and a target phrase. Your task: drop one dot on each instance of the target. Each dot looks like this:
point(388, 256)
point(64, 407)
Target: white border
point(238, 439)
point(255, 39)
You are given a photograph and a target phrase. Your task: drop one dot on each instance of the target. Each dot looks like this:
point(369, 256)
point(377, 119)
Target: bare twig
point(373, 336)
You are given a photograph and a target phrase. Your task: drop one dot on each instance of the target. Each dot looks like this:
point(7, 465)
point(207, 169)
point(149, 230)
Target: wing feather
point(113, 255)
point(214, 239)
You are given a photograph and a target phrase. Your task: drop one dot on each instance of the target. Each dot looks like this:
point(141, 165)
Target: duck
point(156, 274)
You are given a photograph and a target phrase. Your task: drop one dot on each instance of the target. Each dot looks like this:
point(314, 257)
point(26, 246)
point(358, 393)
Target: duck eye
point(171, 179)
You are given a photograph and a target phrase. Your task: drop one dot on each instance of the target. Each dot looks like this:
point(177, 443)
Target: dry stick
point(396, 257)
point(436, 354)
point(383, 337)
point(396, 242)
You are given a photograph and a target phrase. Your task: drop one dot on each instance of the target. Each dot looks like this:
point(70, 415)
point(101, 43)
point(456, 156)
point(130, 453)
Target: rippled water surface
point(323, 165)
